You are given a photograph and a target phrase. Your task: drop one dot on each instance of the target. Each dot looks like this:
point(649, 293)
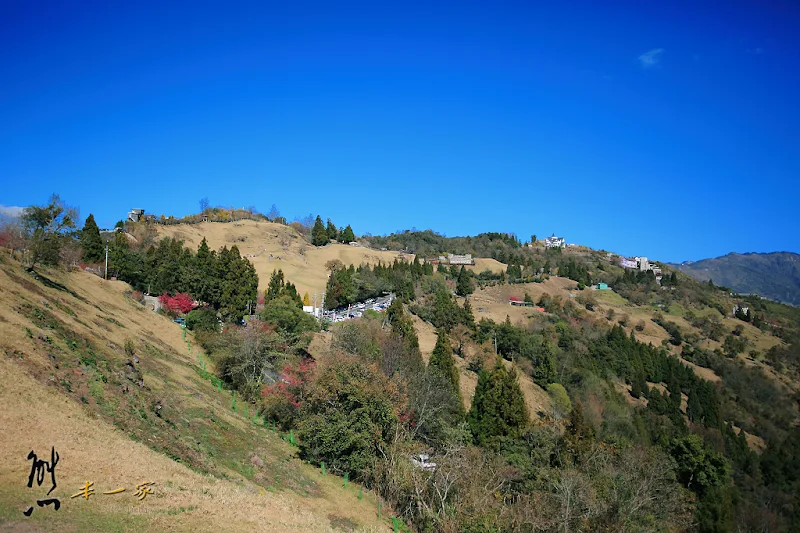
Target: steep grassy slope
point(124, 400)
point(774, 275)
point(271, 246)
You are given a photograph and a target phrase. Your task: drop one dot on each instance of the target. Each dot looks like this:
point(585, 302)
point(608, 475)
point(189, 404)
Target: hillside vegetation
point(118, 393)
point(774, 275)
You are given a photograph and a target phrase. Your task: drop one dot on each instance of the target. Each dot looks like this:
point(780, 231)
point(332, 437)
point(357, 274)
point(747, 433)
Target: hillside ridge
point(773, 275)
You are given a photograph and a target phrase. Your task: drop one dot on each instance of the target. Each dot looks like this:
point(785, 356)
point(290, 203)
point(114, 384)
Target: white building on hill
point(554, 242)
point(455, 259)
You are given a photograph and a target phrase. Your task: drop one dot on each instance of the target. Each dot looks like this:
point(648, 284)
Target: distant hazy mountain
point(774, 275)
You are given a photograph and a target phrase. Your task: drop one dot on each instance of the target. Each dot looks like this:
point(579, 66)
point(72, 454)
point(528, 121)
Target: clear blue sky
point(667, 129)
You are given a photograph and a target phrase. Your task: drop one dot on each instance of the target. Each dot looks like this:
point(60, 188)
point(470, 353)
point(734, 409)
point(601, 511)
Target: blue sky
point(670, 129)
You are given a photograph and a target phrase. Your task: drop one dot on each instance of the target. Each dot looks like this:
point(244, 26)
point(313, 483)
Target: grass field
point(485, 263)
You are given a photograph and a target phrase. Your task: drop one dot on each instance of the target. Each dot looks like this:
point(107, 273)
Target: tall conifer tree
point(347, 235)
point(319, 235)
point(91, 242)
point(464, 283)
point(442, 361)
point(331, 230)
point(498, 407)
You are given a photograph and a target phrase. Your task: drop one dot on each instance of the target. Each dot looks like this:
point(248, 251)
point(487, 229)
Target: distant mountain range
point(774, 275)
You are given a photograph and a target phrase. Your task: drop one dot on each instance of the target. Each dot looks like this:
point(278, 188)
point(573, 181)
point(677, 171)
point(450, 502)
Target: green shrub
point(350, 414)
point(204, 319)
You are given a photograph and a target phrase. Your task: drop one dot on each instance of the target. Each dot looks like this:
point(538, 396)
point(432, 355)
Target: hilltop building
point(137, 215)
point(554, 242)
point(642, 264)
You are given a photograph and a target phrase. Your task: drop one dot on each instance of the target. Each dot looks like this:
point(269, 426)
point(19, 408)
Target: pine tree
point(442, 361)
point(238, 284)
point(331, 230)
point(694, 409)
point(275, 287)
point(469, 317)
point(674, 388)
point(347, 235)
point(91, 242)
point(206, 286)
point(498, 407)
point(291, 291)
point(636, 388)
point(464, 283)
point(306, 299)
point(319, 235)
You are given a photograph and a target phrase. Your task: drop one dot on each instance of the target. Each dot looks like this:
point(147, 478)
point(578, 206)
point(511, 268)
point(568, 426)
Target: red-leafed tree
point(180, 303)
point(282, 400)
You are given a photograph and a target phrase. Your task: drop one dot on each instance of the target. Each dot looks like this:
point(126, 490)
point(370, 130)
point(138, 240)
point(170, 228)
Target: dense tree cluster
point(498, 408)
point(322, 234)
point(224, 280)
point(430, 244)
point(349, 285)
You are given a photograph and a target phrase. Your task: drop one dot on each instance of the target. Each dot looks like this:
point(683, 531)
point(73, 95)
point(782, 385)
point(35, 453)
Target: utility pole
point(106, 277)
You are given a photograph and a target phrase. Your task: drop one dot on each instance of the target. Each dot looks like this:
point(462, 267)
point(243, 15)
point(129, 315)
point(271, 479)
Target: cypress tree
point(319, 235)
point(206, 286)
point(464, 284)
point(291, 291)
point(91, 242)
point(442, 361)
point(275, 287)
point(238, 285)
point(469, 317)
point(498, 407)
point(694, 408)
point(331, 231)
point(347, 235)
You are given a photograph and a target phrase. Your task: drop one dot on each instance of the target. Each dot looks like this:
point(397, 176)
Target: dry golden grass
point(487, 263)
point(36, 415)
point(271, 246)
point(756, 443)
point(426, 334)
point(492, 302)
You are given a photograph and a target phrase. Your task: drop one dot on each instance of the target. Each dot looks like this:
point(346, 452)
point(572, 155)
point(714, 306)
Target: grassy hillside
point(774, 275)
point(271, 246)
point(124, 399)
